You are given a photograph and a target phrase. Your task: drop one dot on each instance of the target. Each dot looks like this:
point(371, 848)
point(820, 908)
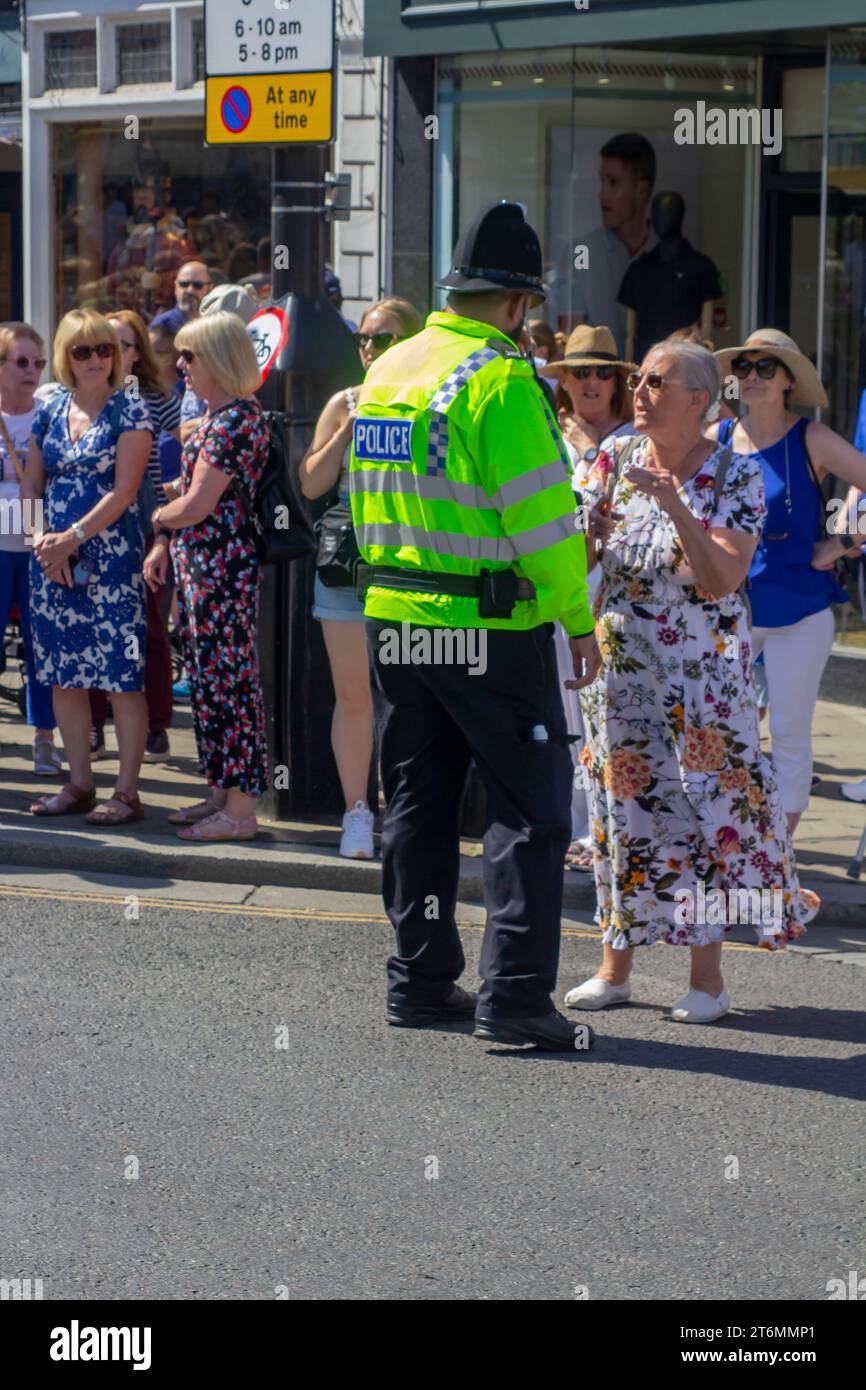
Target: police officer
point(465, 520)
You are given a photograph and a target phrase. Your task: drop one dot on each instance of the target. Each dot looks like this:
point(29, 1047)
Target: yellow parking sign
point(259, 109)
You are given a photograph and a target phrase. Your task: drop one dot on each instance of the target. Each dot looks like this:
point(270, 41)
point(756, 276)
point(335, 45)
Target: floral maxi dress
point(684, 802)
point(219, 581)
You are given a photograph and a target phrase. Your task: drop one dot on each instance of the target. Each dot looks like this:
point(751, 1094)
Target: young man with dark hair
point(627, 175)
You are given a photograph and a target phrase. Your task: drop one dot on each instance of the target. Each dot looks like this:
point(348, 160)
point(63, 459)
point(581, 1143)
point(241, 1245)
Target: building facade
point(119, 187)
point(515, 100)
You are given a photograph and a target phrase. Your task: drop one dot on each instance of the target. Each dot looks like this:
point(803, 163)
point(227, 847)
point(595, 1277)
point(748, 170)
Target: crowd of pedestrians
point(144, 453)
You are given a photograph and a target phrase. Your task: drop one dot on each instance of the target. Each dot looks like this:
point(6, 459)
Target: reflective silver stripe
point(529, 484)
point(457, 379)
point(441, 542)
point(540, 537)
point(433, 488)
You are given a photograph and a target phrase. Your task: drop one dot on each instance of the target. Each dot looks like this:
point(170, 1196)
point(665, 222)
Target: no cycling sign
point(269, 68)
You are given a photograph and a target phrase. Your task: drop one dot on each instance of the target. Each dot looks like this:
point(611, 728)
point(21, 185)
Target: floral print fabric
point(683, 800)
point(91, 636)
point(219, 580)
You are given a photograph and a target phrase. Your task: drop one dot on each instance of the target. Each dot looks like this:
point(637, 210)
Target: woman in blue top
point(790, 586)
point(88, 453)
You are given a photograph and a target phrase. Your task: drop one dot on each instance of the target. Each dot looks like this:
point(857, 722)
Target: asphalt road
point(358, 1161)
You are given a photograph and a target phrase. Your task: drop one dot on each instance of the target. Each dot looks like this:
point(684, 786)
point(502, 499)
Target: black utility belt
point(497, 591)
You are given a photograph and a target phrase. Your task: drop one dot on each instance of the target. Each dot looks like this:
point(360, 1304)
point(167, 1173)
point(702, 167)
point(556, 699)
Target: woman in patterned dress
point(88, 453)
point(689, 830)
point(219, 577)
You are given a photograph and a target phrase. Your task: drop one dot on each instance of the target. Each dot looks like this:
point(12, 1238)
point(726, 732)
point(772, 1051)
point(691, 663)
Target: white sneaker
point(698, 1007)
point(854, 791)
point(357, 837)
point(597, 994)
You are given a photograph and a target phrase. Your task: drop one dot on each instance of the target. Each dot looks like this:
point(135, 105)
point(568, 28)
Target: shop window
point(198, 50)
point(530, 126)
point(70, 59)
point(130, 213)
point(143, 54)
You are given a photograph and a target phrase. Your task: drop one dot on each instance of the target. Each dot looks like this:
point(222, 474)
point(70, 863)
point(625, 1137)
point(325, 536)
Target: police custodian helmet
point(498, 251)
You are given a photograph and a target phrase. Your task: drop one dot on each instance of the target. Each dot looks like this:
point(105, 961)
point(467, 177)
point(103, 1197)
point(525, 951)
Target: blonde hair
point(222, 343)
point(83, 326)
point(12, 329)
point(145, 369)
point(405, 313)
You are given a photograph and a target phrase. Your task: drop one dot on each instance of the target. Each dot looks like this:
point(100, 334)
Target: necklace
point(787, 478)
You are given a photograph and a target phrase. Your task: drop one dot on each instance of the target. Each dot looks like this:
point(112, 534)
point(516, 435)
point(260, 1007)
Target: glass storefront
point(530, 125)
point(128, 213)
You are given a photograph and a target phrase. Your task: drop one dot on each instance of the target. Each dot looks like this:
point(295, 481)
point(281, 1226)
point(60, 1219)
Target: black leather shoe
point(550, 1031)
point(458, 1005)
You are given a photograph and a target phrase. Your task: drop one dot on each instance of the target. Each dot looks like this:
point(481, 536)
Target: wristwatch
point(590, 456)
point(78, 531)
point(847, 542)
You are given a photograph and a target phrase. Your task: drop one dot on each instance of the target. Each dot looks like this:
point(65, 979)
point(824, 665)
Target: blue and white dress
point(91, 636)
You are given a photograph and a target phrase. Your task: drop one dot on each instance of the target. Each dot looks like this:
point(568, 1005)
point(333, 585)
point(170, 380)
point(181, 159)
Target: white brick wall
point(360, 245)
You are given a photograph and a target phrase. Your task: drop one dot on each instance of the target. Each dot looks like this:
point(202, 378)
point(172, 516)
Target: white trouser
point(794, 660)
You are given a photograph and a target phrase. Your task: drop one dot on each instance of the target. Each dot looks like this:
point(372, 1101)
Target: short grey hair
point(698, 368)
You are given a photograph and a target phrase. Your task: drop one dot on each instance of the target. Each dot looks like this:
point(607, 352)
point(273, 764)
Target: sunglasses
point(82, 352)
point(193, 284)
point(654, 380)
point(766, 367)
point(186, 356)
point(24, 362)
point(380, 341)
point(584, 373)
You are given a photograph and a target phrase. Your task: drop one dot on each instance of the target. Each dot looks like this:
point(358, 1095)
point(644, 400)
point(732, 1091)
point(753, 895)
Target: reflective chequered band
point(554, 430)
point(437, 443)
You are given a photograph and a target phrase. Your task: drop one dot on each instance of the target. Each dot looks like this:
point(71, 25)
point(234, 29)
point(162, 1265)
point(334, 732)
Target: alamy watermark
point(21, 518)
point(716, 125)
point(719, 907)
point(434, 646)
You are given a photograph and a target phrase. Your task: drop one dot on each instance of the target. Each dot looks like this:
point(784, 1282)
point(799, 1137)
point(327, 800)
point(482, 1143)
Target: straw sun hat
point(589, 347)
point(807, 389)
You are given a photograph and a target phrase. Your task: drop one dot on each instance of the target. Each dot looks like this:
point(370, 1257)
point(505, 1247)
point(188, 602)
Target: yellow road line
point(251, 910)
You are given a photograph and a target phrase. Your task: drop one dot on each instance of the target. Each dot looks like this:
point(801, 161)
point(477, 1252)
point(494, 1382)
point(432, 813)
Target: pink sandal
point(221, 826)
point(191, 815)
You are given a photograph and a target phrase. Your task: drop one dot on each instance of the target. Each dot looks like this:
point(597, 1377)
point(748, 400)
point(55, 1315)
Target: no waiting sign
point(246, 36)
point(269, 68)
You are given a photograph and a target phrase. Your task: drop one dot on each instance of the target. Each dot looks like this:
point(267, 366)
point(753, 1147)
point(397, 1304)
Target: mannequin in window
point(672, 286)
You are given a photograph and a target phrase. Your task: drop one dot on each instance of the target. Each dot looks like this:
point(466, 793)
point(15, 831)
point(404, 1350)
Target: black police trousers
point(441, 716)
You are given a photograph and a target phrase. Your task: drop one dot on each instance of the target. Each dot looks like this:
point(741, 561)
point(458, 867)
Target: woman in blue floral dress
point(219, 576)
point(88, 452)
point(690, 836)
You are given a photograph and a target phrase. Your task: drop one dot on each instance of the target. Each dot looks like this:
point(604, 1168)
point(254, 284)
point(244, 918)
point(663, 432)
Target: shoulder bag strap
point(11, 451)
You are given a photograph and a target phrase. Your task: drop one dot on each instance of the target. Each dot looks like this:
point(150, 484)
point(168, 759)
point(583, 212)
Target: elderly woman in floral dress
point(686, 816)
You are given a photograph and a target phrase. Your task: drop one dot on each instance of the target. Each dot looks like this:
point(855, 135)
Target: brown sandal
point(106, 815)
point(69, 801)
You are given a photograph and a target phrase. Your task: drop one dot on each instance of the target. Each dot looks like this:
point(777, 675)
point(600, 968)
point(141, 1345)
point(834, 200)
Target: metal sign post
point(270, 80)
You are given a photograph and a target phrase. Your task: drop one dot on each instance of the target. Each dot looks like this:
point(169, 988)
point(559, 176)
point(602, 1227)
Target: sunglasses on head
point(584, 373)
point(82, 352)
point(766, 367)
point(193, 284)
point(24, 362)
point(186, 355)
point(380, 341)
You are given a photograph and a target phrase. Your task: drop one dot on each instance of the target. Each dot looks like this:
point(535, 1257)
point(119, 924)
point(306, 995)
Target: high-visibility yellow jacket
point(458, 465)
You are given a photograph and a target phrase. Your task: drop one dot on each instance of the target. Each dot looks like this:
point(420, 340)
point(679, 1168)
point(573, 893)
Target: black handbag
point(281, 527)
point(338, 554)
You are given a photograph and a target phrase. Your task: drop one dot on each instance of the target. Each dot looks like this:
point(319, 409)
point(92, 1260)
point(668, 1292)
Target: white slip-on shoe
point(357, 838)
point(698, 1007)
point(597, 994)
point(854, 791)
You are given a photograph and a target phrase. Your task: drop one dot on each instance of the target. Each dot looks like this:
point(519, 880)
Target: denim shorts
point(336, 605)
